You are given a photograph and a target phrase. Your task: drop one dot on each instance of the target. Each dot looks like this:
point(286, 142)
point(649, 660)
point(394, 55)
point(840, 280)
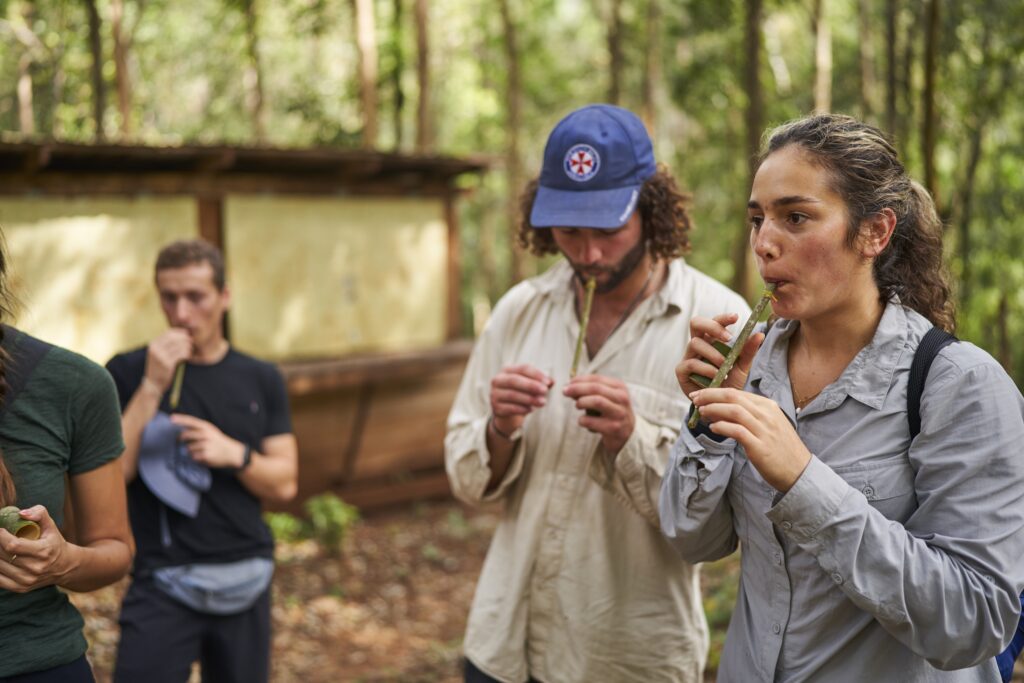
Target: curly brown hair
point(867, 173)
point(664, 212)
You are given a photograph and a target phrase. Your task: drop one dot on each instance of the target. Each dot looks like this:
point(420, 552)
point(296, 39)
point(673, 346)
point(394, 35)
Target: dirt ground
point(392, 608)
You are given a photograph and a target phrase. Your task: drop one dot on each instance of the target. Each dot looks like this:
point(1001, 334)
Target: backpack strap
point(933, 341)
point(24, 353)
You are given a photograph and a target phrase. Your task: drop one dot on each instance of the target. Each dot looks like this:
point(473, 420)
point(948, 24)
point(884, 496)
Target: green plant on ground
point(285, 528)
point(330, 519)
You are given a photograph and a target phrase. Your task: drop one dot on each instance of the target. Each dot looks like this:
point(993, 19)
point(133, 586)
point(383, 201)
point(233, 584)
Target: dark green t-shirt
point(66, 420)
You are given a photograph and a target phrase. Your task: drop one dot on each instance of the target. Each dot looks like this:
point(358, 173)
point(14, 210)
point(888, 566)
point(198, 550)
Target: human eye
point(797, 218)
point(755, 221)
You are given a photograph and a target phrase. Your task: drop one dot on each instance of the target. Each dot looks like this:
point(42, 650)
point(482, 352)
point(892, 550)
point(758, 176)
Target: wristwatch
point(246, 458)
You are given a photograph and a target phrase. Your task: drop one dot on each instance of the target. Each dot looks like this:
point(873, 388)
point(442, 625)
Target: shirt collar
point(554, 283)
point(868, 376)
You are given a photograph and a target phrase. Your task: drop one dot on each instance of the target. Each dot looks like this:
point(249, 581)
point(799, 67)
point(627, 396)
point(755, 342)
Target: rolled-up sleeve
point(945, 583)
point(696, 516)
point(634, 474)
point(467, 460)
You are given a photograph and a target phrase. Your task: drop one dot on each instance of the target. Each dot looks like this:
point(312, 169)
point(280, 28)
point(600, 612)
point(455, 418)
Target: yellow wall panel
point(315, 276)
point(83, 267)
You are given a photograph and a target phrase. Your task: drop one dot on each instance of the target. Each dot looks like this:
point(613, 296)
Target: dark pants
point(77, 671)
point(475, 675)
point(161, 638)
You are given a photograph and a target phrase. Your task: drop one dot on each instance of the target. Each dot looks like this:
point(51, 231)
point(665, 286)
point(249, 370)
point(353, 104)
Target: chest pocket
point(661, 408)
point(887, 485)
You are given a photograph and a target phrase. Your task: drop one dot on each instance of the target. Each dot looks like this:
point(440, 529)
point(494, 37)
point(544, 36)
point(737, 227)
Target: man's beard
point(617, 273)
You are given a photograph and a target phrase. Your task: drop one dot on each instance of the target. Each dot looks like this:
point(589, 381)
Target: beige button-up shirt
point(579, 585)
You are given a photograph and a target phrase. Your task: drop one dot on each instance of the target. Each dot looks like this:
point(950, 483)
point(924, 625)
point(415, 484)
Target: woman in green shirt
point(59, 422)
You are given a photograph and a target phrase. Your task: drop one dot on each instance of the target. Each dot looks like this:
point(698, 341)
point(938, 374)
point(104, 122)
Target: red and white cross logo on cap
point(581, 162)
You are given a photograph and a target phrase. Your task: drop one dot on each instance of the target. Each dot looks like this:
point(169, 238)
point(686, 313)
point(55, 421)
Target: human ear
point(876, 231)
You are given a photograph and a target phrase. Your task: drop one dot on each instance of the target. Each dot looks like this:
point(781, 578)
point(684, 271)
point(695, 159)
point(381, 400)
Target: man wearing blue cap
point(208, 438)
point(579, 584)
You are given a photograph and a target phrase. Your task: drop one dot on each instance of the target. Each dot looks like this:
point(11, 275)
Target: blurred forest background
point(491, 77)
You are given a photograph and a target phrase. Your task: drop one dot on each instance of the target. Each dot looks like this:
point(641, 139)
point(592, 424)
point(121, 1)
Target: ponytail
point(912, 266)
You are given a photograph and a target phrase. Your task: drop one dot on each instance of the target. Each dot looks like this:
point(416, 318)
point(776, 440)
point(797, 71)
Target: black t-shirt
point(246, 399)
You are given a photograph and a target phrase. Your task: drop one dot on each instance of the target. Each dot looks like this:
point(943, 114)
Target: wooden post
point(211, 229)
point(451, 215)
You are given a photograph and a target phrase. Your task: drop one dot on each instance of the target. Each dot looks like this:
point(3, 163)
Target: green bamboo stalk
point(584, 321)
point(737, 347)
point(11, 519)
point(179, 376)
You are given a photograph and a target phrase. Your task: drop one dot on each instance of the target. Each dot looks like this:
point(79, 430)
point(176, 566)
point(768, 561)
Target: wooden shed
point(343, 266)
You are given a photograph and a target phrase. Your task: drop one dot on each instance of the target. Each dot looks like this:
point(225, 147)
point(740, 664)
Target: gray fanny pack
point(217, 588)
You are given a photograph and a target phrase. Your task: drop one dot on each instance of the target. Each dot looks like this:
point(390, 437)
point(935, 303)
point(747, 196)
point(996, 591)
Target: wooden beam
point(68, 183)
point(376, 494)
point(454, 321)
point(310, 377)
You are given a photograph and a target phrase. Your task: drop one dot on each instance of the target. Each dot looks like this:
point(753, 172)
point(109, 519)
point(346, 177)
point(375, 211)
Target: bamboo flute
point(737, 347)
point(584, 321)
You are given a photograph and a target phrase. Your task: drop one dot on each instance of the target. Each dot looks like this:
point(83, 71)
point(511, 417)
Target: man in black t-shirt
point(201, 580)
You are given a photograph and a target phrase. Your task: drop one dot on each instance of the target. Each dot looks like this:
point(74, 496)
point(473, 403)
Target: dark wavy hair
point(867, 173)
point(8, 495)
point(664, 212)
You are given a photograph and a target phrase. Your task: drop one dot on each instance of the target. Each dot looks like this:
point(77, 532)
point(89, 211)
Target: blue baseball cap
point(595, 162)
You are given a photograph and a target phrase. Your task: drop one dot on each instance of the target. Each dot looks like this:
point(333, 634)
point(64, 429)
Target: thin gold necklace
point(802, 402)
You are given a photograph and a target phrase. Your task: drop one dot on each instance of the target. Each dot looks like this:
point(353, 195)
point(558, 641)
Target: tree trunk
point(865, 41)
point(1005, 343)
point(366, 41)
point(96, 50)
point(26, 110)
point(513, 104)
point(928, 103)
point(966, 209)
point(254, 73)
point(424, 124)
point(822, 58)
point(652, 67)
point(905, 89)
point(890, 62)
point(615, 52)
point(121, 75)
point(741, 253)
point(398, 34)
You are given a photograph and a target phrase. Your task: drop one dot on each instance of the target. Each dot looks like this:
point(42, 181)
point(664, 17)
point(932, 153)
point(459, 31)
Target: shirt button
point(787, 525)
point(778, 558)
point(837, 577)
point(868, 492)
point(776, 628)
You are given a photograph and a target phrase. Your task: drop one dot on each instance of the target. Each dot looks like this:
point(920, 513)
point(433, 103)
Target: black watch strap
point(246, 458)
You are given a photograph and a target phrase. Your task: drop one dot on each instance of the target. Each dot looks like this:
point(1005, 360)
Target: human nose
point(180, 312)
point(588, 251)
point(763, 241)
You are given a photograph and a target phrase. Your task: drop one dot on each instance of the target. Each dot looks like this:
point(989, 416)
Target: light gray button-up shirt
point(886, 561)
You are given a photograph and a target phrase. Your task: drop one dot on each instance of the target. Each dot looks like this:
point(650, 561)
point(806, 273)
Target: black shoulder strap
point(25, 352)
point(933, 341)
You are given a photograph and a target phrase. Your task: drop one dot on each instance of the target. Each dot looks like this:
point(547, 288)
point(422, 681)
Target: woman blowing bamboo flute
point(59, 422)
point(867, 556)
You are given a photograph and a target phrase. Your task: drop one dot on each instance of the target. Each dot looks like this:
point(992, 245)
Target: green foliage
point(191, 76)
point(285, 528)
point(330, 518)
